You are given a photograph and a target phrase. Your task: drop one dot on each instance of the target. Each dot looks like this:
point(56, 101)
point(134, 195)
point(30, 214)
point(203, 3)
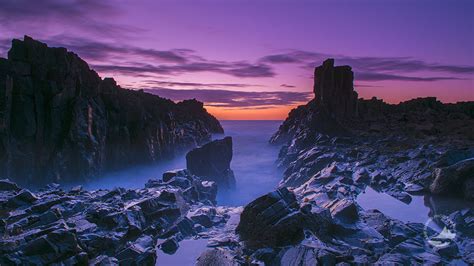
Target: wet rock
point(343, 209)
point(7, 185)
point(273, 220)
point(212, 162)
point(169, 246)
point(215, 257)
point(452, 179)
point(141, 252)
point(104, 260)
point(89, 226)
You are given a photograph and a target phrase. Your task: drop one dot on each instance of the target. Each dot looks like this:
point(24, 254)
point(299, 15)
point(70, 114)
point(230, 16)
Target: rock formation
point(334, 89)
point(60, 121)
point(212, 162)
point(337, 127)
point(103, 227)
point(336, 146)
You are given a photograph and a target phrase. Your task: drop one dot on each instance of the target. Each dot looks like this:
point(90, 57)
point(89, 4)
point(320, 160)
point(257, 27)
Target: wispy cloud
point(84, 15)
point(236, 69)
point(198, 85)
point(287, 86)
point(141, 62)
point(233, 99)
point(375, 68)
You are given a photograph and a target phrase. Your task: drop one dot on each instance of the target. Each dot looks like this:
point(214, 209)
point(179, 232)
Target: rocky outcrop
point(336, 146)
point(334, 89)
point(60, 121)
point(212, 162)
point(273, 220)
point(102, 227)
point(336, 128)
point(457, 178)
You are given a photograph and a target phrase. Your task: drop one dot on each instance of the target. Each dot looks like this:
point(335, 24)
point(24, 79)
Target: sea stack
point(334, 89)
point(212, 162)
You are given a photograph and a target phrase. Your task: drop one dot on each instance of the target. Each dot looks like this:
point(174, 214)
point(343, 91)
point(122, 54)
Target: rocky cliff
point(337, 127)
point(334, 148)
point(60, 121)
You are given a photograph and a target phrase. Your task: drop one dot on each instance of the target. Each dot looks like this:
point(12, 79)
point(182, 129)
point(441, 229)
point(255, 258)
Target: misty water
point(253, 163)
point(256, 174)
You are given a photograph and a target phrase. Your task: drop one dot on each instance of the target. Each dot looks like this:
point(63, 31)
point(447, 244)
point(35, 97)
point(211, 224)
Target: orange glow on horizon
point(271, 113)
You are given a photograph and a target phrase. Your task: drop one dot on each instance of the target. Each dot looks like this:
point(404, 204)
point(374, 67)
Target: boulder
point(216, 257)
point(273, 220)
point(344, 210)
point(212, 162)
point(169, 246)
point(454, 179)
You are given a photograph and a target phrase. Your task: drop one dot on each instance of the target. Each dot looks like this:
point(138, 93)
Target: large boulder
point(212, 162)
point(456, 178)
point(273, 220)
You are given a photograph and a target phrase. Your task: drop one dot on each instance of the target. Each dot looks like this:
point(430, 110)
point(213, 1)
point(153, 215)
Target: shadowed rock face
point(60, 121)
point(334, 89)
point(212, 162)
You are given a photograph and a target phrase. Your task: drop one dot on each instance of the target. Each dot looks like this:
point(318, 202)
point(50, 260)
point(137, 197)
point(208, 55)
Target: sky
point(255, 59)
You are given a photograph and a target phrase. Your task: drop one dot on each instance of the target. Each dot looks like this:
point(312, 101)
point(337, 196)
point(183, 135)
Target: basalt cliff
point(59, 121)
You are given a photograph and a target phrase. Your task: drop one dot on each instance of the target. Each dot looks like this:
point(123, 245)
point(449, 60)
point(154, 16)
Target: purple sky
point(254, 59)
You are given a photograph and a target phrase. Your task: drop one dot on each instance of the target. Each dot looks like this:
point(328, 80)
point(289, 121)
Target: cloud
point(88, 16)
point(235, 99)
point(198, 85)
point(287, 86)
point(128, 60)
point(100, 51)
point(374, 68)
point(236, 69)
point(375, 76)
point(25, 9)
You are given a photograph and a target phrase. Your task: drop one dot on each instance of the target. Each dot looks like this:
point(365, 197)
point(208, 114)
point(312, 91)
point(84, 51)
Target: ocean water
point(253, 161)
point(253, 164)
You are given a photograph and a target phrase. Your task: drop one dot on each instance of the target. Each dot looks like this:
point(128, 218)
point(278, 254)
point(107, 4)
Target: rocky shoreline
point(336, 146)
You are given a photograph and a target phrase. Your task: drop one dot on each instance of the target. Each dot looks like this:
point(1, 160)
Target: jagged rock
point(60, 121)
point(7, 185)
point(215, 257)
point(141, 252)
point(212, 162)
point(86, 227)
point(169, 246)
point(273, 220)
point(343, 209)
point(454, 179)
point(104, 260)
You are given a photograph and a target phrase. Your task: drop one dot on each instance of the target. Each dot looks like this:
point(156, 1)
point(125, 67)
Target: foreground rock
point(212, 162)
point(457, 178)
point(59, 121)
point(103, 227)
